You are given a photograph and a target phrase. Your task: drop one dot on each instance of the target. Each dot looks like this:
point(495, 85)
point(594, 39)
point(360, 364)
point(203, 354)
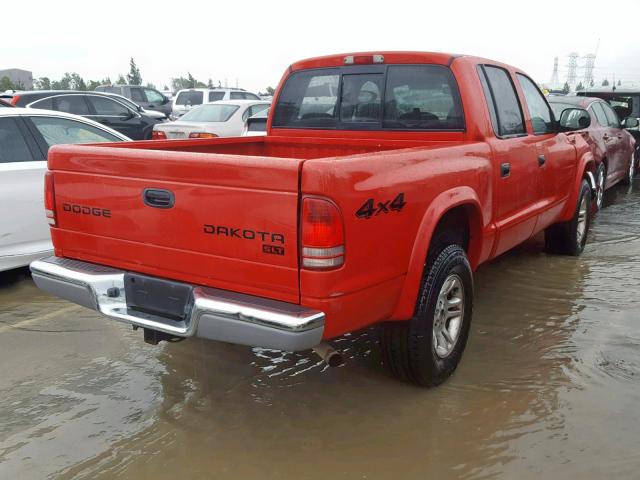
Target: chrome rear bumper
point(214, 314)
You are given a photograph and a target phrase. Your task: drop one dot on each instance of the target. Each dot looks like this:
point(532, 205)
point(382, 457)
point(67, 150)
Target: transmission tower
point(572, 68)
point(589, 62)
point(555, 81)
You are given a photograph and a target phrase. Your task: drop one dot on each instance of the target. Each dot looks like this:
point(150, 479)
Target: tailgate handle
point(158, 198)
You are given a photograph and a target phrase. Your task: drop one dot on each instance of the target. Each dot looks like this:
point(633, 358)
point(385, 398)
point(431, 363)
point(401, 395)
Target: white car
point(25, 137)
point(189, 98)
point(256, 125)
point(225, 118)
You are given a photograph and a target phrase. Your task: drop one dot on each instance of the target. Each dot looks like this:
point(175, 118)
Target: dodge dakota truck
point(385, 179)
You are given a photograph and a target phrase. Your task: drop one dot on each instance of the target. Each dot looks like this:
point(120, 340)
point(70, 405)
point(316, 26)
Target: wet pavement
point(549, 387)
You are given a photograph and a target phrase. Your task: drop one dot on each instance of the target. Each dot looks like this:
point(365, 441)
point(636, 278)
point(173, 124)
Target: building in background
point(20, 78)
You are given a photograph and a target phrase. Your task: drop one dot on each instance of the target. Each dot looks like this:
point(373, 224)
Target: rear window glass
point(190, 97)
point(210, 113)
point(416, 97)
point(423, 97)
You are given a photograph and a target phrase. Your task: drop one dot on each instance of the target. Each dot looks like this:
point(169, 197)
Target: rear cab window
point(376, 97)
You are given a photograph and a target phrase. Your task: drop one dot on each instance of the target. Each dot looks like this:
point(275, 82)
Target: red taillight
point(49, 198)
point(322, 234)
point(158, 135)
point(202, 135)
point(14, 99)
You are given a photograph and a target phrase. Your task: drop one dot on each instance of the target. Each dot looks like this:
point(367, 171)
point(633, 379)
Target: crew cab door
point(616, 153)
point(555, 154)
point(515, 156)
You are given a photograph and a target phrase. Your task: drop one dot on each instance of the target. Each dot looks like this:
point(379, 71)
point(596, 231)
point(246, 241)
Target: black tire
point(408, 347)
point(566, 238)
point(601, 175)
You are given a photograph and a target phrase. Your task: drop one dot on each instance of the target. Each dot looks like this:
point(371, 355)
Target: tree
point(5, 84)
point(271, 91)
point(92, 84)
point(134, 77)
point(151, 85)
point(77, 82)
point(43, 83)
point(566, 89)
point(121, 80)
point(605, 83)
point(210, 84)
point(619, 83)
point(579, 87)
point(592, 83)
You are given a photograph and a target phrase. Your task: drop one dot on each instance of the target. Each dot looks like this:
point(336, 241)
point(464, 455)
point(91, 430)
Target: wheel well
point(449, 228)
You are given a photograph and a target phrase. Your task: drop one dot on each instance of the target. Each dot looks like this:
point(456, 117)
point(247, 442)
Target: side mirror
point(165, 100)
point(572, 119)
point(630, 122)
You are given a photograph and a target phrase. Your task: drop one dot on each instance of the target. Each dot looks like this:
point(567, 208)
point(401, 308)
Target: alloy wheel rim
point(582, 219)
point(600, 187)
point(448, 316)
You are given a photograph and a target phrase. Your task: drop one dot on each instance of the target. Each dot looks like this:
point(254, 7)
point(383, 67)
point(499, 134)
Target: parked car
point(613, 147)
point(256, 124)
point(25, 137)
point(625, 102)
point(374, 209)
point(137, 108)
point(100, 107)
point(188, 98)
point(147, 98)
point(226, 118)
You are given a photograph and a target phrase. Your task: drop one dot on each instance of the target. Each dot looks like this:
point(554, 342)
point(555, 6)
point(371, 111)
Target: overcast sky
point(254, 42)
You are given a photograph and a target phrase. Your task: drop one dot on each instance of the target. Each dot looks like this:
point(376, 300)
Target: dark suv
point(147, 98)
point(99, 107)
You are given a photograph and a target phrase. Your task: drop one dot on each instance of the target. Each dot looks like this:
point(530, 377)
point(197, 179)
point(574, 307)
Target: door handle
point(541, 160)
point(505, 169)
point(158, 198)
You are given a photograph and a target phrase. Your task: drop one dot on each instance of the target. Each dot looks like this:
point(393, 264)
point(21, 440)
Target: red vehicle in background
point(612, 145)
point(384, 180)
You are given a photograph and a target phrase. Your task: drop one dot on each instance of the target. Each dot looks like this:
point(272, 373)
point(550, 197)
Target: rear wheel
point(600, 179)
point(427, 349)
point(569, 238)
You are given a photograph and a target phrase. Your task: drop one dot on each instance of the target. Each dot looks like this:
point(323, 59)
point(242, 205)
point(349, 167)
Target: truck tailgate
point(232, 222)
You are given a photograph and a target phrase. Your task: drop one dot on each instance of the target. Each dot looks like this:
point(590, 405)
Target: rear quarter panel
point(383, 249)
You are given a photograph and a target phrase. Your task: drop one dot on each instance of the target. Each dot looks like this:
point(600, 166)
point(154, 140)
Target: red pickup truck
point(384, 180)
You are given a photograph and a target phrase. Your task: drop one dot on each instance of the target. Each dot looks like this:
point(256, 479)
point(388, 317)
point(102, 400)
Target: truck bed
point(277, 147)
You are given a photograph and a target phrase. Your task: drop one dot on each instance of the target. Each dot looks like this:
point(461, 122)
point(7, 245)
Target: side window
point(361, 98)
point(106, 106)
point(215, 96)
point(45, 104)
point(509, 117)
point(251, 96)
point(257, 109)
point(153, 96)
point(598, 111)
point(71, 104)
point(246, 114)
point(536, 104)
point(64, 130)
point(136, 95)
point(237, 96)
point(612, 118)
point(13, 146)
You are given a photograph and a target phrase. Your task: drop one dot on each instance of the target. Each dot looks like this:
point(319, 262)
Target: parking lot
point(547, 387)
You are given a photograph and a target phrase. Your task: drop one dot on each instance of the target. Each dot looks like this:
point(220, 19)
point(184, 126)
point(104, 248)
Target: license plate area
point(157, 296)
